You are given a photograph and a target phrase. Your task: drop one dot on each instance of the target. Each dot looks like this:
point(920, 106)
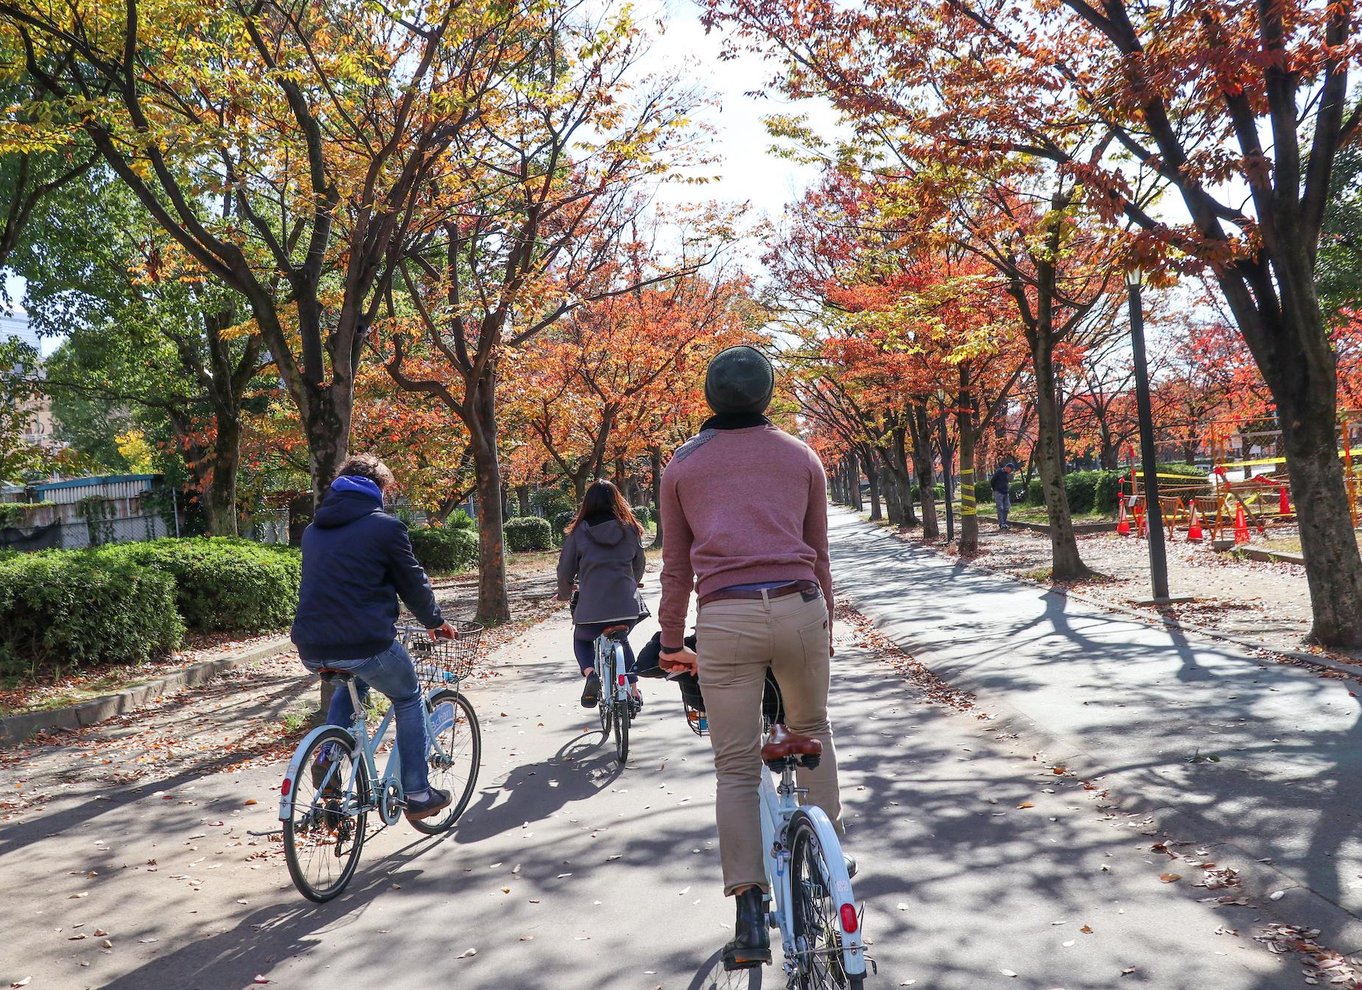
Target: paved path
point(1259, 758)
point(980, 867)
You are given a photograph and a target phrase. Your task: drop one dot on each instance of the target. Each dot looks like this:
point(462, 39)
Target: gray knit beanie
point(739, 380)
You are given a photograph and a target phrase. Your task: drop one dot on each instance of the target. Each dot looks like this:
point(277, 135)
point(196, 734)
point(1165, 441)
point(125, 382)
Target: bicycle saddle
point(614, 632)
point(784, 745)
point(326, 674)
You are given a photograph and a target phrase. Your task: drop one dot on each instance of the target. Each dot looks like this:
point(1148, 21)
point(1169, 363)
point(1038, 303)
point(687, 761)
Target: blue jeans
point(392, 674)
point(586, 651)
point(1003, 502)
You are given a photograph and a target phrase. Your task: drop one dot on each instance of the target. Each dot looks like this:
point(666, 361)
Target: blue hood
point(350, 498)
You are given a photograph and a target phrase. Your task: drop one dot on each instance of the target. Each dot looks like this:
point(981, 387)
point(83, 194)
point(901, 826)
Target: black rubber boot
point(751, 945)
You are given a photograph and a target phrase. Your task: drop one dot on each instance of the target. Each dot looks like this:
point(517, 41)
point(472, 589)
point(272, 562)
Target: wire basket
point(443, 661)
point(695, 718)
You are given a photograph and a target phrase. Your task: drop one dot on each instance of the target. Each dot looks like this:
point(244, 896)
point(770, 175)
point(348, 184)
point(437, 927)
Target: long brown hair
point(603, 496)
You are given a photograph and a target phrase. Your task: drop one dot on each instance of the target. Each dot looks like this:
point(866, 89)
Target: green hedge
point(528, 533)
point(458, 519)
point(445, 548)
point(643, 513)
point(223, 583)
point(1086, 491)
point(67, 609)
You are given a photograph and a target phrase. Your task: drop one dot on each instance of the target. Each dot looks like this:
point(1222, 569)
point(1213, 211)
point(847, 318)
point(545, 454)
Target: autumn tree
point(288, 148)
point(547, 193)
point(1210, 100)
point(144, 328)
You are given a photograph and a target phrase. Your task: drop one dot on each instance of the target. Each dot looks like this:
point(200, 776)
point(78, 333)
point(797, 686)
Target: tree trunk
point(1066, 564)
point(854, 463)
point(872, 475)
point(965, 420)
point(655, 463)
point(922, 466)
point(219, 495)
point(522, 495)
point(493, 604)
point(326, 425)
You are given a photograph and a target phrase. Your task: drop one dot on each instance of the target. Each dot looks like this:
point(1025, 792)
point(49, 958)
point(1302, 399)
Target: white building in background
point(39, 428)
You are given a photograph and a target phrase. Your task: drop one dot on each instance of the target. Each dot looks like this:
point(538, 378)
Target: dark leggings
point(585, 649)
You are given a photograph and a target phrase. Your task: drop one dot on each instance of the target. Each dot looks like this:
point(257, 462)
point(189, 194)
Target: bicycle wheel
point(817, 931)
point(622, 731)
point(324, 833)
point(454, 757)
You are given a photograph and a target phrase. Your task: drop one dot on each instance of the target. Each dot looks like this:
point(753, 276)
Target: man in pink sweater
point(744, 507)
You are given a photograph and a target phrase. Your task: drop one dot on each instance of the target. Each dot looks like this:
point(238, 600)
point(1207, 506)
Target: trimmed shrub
point(1080, 487)
point(1188, 470)
point(643, 513)
point(67, 609)
point(528, 533)
point(983, 493)
point(441, 549)
point(458, 519)
point(223, 583)
point(1035, 492)
point(1107, 492)
point(561, 521)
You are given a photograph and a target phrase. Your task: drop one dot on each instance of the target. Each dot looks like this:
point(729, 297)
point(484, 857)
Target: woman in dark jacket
point(603, 554)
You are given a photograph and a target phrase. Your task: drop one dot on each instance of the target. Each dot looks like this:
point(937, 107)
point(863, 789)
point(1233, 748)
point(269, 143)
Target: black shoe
point(591, 690)
point(437, 802)
point(751, 945)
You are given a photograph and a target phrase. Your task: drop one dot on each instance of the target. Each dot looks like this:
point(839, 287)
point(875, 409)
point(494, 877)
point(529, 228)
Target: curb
point(1080, 529)
point(15, 729)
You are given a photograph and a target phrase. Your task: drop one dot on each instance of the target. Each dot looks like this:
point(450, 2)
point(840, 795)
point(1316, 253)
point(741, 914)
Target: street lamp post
point(1158, 559)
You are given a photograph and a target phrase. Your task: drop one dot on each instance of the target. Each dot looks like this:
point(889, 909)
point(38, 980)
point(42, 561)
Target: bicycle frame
point(366, 747)
point(778, 805)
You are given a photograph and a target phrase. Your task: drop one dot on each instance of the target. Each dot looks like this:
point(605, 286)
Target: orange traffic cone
point(1194, 527)
point(1140, 524)
point(1241, 533)
point(1283, 501)
point(1122, 523)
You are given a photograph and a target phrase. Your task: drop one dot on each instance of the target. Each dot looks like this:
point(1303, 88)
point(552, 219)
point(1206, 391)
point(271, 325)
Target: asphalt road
point(980, 867)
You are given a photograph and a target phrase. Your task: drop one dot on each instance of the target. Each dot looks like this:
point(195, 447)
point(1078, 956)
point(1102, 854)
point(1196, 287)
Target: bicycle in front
point(333, 784)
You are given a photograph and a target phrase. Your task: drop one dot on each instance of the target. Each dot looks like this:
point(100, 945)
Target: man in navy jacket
point(357, 562)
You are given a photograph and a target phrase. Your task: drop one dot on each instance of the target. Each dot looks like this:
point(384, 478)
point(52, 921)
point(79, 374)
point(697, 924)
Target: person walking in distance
point(744, 507)
point(1001, 483)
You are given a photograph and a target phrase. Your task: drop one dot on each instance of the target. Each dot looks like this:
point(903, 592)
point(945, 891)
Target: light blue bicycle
point(617, 708)
point(333, 784)
point(810, 901)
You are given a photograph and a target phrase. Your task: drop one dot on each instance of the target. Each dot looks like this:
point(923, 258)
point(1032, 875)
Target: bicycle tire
point(622, 731)
point(815, 918)
point(317, 831)
point(463, 742)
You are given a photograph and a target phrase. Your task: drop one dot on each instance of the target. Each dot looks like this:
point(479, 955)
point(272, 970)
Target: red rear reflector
point(849, 919)
point(284, 789)
point(621, 680)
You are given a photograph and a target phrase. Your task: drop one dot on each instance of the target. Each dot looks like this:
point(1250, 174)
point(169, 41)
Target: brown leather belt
point(725, 594)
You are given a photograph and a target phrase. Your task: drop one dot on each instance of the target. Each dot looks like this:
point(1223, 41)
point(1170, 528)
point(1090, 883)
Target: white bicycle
point(810, 901)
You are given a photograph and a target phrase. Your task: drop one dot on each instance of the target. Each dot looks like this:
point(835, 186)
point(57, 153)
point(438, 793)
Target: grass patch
point(1040, 575)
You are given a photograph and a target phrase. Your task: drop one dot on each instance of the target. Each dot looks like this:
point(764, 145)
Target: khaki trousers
point(737, 640)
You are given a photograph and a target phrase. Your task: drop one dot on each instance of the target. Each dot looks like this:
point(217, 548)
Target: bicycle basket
point(442, 661)
point(695, 719)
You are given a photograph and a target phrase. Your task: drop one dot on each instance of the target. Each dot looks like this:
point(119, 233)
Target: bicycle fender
point(853, 951)
point(286, 800)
